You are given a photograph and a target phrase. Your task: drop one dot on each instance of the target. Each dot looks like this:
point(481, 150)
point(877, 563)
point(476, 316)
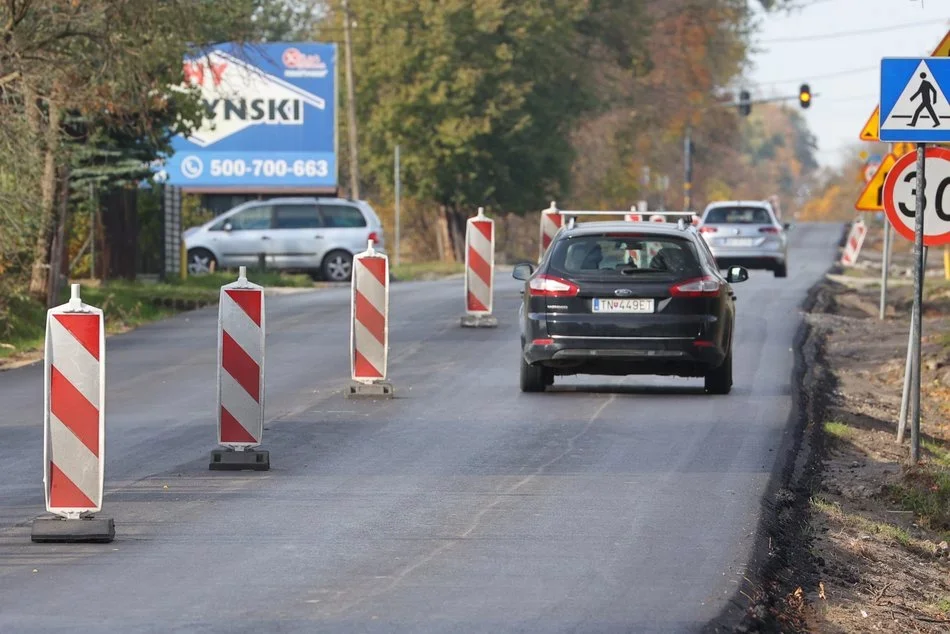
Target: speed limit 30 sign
point(900, 196)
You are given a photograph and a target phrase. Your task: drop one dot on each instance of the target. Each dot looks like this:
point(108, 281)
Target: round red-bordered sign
point(899, 196)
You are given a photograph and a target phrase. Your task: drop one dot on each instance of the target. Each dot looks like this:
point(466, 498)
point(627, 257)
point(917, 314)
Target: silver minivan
point(317, 235)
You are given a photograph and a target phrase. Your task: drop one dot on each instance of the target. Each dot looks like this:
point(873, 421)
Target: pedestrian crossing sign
point(914, 104)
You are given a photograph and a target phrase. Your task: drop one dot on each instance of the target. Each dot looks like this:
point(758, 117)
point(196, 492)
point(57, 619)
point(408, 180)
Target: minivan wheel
point(719, 380)
point(781, 270)
point(337, 266)
point(201, 262)
point(534, 378)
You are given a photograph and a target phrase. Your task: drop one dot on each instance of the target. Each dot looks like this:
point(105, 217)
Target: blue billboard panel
point(271, 119)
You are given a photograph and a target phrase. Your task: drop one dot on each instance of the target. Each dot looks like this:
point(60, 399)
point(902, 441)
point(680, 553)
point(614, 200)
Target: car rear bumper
point(619, 356)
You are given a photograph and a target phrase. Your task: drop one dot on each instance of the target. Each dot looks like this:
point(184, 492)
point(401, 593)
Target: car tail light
point(697, 287)
point(708, 229)
point(550, 286)
point(699, 343)
point(544, 342)
point(374, 236)
point(768, 230)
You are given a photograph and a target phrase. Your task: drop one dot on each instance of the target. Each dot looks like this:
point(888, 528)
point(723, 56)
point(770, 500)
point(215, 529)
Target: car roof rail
point(571, 215)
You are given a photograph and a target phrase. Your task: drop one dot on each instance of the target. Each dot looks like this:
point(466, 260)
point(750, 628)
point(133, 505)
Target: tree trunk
point(39, 280)
point(455, 222)
point(59, 271)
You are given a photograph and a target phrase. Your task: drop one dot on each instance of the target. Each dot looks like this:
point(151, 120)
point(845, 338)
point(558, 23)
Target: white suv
point(303, 234)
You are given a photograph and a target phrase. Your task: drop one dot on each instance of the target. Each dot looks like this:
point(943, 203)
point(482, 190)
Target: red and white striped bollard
point(369, 326)
point(551, 223)
point(240, 406)
point(479, 272)
point(74, 425)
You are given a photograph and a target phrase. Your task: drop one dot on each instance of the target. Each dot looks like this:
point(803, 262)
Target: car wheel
point(534, 377)
point(719, 380)
point(201, 262)
point(337, 266)
point(781, 270)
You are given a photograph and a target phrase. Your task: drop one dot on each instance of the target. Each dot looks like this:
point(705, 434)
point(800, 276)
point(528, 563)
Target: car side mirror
point(737, 274)
point(228, 226)
point(523, 271)
point(787, 226)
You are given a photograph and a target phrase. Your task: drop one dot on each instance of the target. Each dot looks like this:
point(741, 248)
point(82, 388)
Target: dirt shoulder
point(862, 545)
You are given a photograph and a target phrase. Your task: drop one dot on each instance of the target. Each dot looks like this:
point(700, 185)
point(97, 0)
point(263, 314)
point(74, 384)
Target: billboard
point(271, 123)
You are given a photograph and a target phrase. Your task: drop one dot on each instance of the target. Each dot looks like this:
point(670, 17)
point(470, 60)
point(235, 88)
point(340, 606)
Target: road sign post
point(916, 318)
point(914, 108)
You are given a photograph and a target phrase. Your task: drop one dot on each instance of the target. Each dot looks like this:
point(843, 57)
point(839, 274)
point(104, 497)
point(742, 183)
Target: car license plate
point(739, 242)
point(623, 306)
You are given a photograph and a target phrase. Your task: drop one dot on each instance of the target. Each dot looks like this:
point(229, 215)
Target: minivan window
point(611, 257)
point(738, 216)
point(255, 218)
point(342, 216)
point(297, 217)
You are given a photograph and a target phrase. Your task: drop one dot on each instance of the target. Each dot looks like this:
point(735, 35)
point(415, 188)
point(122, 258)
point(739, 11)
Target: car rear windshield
point(622, 256)
point(738, 216)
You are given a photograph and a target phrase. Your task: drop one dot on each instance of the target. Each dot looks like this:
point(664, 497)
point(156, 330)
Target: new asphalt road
point(606, 504)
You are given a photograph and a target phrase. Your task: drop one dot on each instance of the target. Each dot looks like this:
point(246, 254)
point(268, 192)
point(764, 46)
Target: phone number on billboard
point(270, 167)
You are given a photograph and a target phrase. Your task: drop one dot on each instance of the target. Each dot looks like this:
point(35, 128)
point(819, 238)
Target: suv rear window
point(613, 256)
point(738, 216)
point(342, 216)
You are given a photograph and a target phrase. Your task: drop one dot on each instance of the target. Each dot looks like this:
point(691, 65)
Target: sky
point(836, 47)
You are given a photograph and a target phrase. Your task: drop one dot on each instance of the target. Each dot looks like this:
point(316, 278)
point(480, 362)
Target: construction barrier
point(657, 218)
point(852, 248)
point(74, 425)
point(551, 222)
point(636, 212)
point(479, 271)
point(240, 406)
point(369, 325)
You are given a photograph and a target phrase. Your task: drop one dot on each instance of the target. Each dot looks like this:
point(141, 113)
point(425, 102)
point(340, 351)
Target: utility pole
point(688, 170)
point(351, 104)
point(397, 177)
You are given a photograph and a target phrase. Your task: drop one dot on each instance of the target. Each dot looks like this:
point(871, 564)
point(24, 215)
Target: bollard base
point(369, 390)
point(89, 530)
point(247, 460)
point(479, 321)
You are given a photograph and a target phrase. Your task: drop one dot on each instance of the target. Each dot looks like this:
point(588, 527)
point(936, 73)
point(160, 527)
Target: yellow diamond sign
point(870, 198)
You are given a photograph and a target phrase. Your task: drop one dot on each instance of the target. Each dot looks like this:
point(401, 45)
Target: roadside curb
point(761, 604)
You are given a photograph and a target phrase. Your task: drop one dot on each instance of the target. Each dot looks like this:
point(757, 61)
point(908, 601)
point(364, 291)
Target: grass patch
point(837, 430)
point(889, 532)
point(22, 323)
point(938, 453)
point(943, 605)
point(426, 270)
point(125, 304)
point(925, 491)
point(130, 304)
point(267, 279)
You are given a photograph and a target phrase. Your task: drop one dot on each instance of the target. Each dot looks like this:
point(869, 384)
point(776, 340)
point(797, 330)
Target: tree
point(481, 97)
point(99, 61)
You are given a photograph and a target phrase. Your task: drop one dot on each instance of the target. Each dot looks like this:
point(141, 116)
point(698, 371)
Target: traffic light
point(804, 95)
point(745, 103)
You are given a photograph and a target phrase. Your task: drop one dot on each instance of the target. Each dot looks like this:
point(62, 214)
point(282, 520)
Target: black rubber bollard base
point(370, 390)
point(479, 321)
point(247, 460)
point(95, 530)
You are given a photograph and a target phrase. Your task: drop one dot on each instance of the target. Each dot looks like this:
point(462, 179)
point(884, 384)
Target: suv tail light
point(550, 286)
point(708, 229)
point(768, 229)
point(697, 287)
